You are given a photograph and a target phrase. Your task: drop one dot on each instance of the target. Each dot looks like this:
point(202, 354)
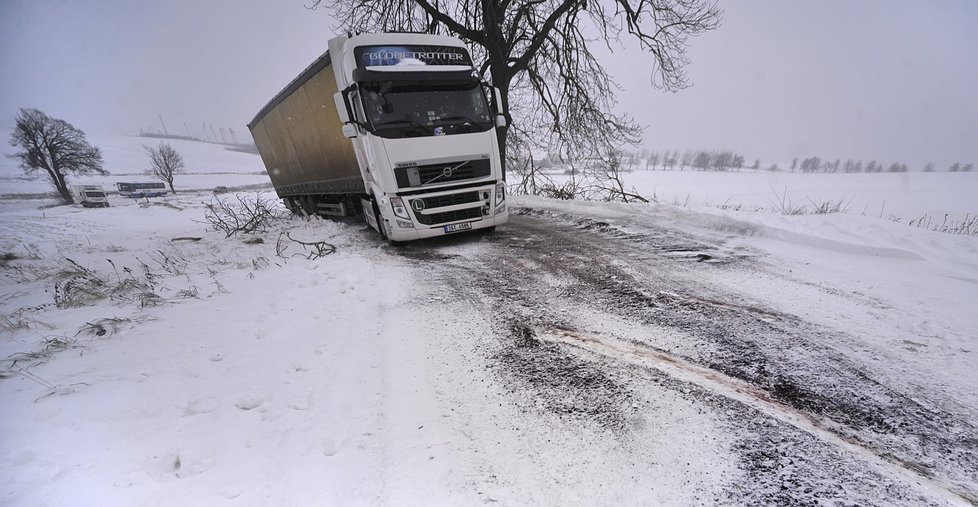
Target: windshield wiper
point(453, 119)
point(398, 122)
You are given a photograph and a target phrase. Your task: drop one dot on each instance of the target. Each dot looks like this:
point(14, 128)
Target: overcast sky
point(891, 80)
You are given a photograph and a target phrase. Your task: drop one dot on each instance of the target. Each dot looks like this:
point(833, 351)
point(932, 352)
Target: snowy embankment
point(221, 370)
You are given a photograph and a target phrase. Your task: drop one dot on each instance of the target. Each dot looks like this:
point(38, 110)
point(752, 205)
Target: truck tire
point(381, 225)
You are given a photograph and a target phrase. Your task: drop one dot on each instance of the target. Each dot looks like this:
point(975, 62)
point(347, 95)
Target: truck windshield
point(425, 109)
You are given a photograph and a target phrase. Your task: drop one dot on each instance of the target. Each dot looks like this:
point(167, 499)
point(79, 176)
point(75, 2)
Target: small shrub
point(782, 204)
point(18, 320)
point(966, 227)
point(310, 249)
point(104, 327)
point(566, 192)
point(821, 208)
point(79, 286)
point(49, 346)
point(243, 214)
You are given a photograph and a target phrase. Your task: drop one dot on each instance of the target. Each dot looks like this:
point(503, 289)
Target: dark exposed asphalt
point(811, 425)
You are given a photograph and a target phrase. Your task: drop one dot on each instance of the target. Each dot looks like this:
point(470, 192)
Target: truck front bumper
point(444, 213)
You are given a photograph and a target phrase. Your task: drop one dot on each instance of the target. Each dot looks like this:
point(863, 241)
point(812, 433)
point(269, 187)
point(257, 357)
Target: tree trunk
point(60, 184)
point(501, 79)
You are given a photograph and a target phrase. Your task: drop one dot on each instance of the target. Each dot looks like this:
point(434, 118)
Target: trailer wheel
point(308, 205)
point(290, 205)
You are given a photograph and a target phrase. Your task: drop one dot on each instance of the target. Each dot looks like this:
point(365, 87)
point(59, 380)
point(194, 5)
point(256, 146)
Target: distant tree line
point(699, 160)
point(726, 160)
point(817, 165)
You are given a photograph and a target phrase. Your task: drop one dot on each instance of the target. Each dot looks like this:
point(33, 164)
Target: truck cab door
point(351, 99)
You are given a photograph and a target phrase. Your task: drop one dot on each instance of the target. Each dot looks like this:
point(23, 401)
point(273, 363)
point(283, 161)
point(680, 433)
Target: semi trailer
point(398, 127)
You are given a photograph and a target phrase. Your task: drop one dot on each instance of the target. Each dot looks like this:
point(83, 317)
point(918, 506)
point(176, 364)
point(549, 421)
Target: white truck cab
point(90, 196)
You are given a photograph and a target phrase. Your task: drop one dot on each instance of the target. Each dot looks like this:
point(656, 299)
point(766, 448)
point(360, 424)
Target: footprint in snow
point(250, 403)
point(330, 447)
point(201, 406)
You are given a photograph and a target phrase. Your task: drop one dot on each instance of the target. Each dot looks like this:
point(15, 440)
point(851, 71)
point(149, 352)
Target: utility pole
point(164, 126)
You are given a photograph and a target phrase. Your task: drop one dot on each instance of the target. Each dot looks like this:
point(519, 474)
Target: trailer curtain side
point(299, 137)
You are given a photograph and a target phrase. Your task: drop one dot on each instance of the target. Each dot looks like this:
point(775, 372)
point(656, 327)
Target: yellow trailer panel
point(300, 138)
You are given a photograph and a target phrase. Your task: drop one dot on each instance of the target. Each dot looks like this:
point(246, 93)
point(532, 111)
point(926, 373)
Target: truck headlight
point(500, 193)
point(399, 210)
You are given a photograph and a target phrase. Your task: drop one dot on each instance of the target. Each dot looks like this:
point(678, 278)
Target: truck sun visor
point(460, 76)
point(413, 55)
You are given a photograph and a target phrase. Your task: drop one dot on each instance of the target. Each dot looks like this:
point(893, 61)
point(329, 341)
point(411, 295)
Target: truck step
point(336, 209)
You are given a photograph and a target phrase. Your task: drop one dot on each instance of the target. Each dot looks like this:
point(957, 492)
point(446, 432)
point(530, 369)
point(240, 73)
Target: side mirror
point(500, 120)
point(499, 100)
point(350, 130)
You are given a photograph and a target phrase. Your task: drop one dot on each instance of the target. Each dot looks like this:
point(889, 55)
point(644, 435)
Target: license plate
point(458, 227)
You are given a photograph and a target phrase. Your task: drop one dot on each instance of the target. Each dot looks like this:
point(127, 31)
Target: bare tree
point(669, 160)
point(967, 168)
point(56, 147)
point(164, 163)
point(701, 160)
point(540, 51)
point(738, 162)
point(723, 160)
point(653, 159)
point(929, 167)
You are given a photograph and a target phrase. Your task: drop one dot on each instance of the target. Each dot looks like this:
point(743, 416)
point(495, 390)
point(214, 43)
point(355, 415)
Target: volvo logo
point(447, 172)
point(417, 204)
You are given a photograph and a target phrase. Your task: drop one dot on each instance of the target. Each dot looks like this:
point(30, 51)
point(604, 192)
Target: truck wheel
point(385, 233)
point(380, 221)
point(383, 229)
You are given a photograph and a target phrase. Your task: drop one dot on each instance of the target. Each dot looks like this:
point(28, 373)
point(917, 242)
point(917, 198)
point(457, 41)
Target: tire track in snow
point(754, 397)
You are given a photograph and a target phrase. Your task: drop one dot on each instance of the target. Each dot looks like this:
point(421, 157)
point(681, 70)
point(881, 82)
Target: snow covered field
point(226, 371)
point(903, 197)
point(207, 165)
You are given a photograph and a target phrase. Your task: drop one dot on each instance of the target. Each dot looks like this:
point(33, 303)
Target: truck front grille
point(443, 172)
point(440, 201)
point(449, 216)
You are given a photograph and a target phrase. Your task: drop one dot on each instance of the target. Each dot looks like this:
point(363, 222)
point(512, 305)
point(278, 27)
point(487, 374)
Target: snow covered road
point(579, 355)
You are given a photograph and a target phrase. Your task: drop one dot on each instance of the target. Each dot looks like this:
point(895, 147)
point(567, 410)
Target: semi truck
point(398, 127)
point(90, 196)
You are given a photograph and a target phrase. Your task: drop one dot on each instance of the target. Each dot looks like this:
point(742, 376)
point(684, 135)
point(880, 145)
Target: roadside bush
point(242, 214)
point(79, 286)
